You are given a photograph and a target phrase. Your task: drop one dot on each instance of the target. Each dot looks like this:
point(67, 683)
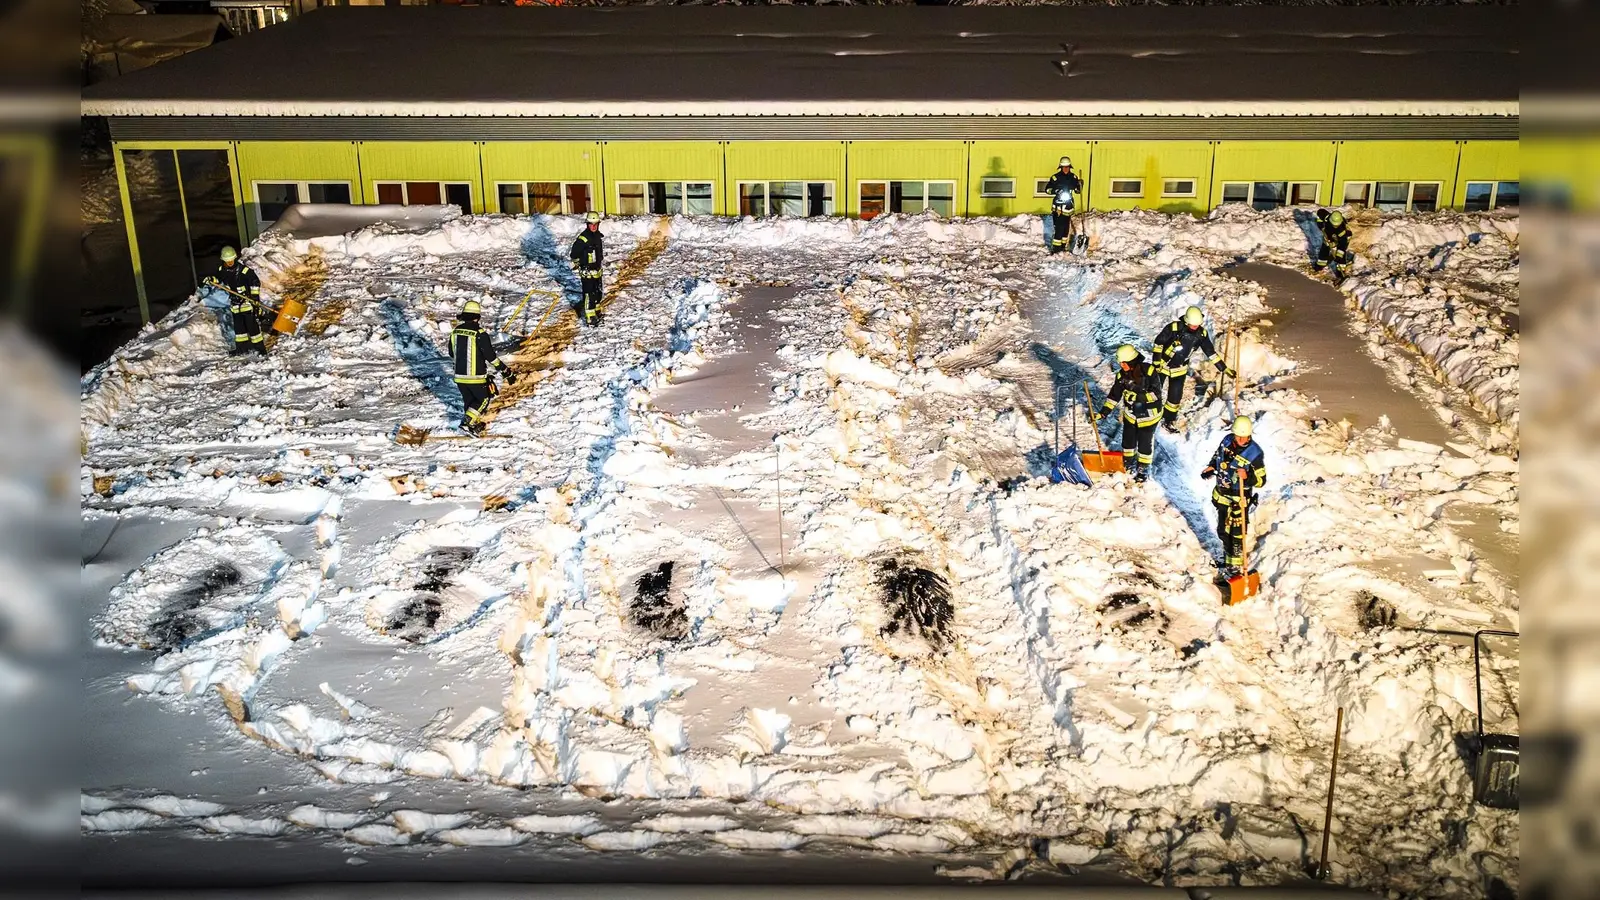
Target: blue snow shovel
point(1068, 464)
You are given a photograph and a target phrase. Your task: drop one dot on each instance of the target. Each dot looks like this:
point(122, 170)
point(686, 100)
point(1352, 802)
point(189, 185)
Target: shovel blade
point(1095, 461)
point(1243, 587)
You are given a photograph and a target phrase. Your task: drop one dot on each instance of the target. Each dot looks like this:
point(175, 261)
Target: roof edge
point(583, 110)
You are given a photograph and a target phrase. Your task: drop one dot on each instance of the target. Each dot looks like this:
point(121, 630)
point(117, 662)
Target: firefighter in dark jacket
point(588, 256)
point(1240, 469)
point(474, 356)
point(1141, 410)
point(1171, 356)
point(1335, 250)
point(1063, 188)
point(243, 290)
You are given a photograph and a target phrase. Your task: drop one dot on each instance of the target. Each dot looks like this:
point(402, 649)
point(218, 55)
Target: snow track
point(467, 612)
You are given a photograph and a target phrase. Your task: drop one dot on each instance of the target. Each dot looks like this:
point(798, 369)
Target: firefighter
point(240, 285)
point(588, 255)
point(474, 356)
point(1141, 410)
point(1335, 250)
point(1171, 357)
point(1240, 469)
point(1063, 187)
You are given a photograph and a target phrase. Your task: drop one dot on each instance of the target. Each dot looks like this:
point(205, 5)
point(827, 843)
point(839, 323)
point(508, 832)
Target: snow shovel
point(1496, 758)
point(1247, 584)
point(1068, 463)
point(1098, 460)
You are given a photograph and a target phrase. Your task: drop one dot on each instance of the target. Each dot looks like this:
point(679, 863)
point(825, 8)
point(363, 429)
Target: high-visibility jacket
point(588, 253)
point(1236, 465)
point(1177, 342)
point(1133, 391)
point(238, 278)
point(1063, 187)
point(473, 353)
point(1336, 238)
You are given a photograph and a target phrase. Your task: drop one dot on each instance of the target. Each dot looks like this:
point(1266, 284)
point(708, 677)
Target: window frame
point(302, 189)
point(683, 195)
point(1010, 192)
point(444, 190)
point(1411, 194)
point(805, 196)
point(1038, 189)
point(1194, 187)
point(1114, 194)
point(888, 194)
point(561, 187)
point(1289, 186)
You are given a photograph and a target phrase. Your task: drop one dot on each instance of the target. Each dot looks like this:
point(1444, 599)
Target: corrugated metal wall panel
point(524, 161)
point(1025, 161)
point(1152, 162)
point(1296, 161)
point(907, 161)
point(663, 161)
point(732, 128)
point(421, 161)
point(784, 161)
point(1399, 161)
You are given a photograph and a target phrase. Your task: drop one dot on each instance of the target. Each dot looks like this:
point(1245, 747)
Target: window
point(1179, 187)
point(1394, 196)
point(785, 198)
point(664, 198)
point(1039, 188)
point(907, 197)
point(1127, 187)
point(1487, 195)
point(548, 198)
point(1266, 195)
point(997, 187)
point(426, 193)
point(274, 197)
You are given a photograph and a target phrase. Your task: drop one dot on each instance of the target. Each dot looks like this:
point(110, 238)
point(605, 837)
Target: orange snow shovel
point(1248, 583)
point(1098, 460)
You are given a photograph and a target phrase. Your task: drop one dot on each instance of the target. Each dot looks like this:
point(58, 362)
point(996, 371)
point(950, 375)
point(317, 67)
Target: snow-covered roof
point(643, 61)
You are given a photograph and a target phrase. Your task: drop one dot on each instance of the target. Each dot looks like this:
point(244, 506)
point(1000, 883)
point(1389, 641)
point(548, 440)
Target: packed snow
point(776, 408)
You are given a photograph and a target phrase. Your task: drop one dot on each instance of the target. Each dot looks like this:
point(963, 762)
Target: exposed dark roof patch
point(406, 60)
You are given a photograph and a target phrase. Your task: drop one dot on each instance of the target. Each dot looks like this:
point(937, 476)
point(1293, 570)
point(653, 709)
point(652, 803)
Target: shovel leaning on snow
point(1098, 460)
point(1068, 464)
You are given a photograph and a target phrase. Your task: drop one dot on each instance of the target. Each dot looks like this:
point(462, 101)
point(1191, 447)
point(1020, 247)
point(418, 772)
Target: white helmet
point(1065, 162)
point(1193, 317)
point(591, 216)
point(229, 254)
point(1243, 427)
point(1127, 353)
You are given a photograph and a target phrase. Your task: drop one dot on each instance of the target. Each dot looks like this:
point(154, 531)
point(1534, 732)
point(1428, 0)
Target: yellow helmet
point(591, 216)
point(1194, 317)
point(229, 254)
point(1127, 353)
point(471, 308)
point(1336, 219)
point(1242, 426)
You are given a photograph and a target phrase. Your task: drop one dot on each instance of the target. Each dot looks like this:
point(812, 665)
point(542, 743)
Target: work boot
point(261, 349)
point(238, 350)
point(1141, 473)
point(1170, 425)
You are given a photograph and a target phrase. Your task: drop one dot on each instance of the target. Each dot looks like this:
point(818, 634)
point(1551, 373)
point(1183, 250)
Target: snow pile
point(1448, 284)
point(1057, 685)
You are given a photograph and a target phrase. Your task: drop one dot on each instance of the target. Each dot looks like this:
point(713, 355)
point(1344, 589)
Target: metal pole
point(1327, 817)
point(777, 456)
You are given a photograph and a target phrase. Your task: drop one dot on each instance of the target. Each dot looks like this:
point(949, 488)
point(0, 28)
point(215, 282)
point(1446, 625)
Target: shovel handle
point(1089, 407)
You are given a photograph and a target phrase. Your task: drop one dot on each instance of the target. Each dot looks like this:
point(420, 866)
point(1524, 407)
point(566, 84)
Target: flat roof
point(776, 60)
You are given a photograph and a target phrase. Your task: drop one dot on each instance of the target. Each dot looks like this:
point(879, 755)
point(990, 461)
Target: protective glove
point(1226, 370)
point(511, 377)
point(1207, 472)
point(1254, 499)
